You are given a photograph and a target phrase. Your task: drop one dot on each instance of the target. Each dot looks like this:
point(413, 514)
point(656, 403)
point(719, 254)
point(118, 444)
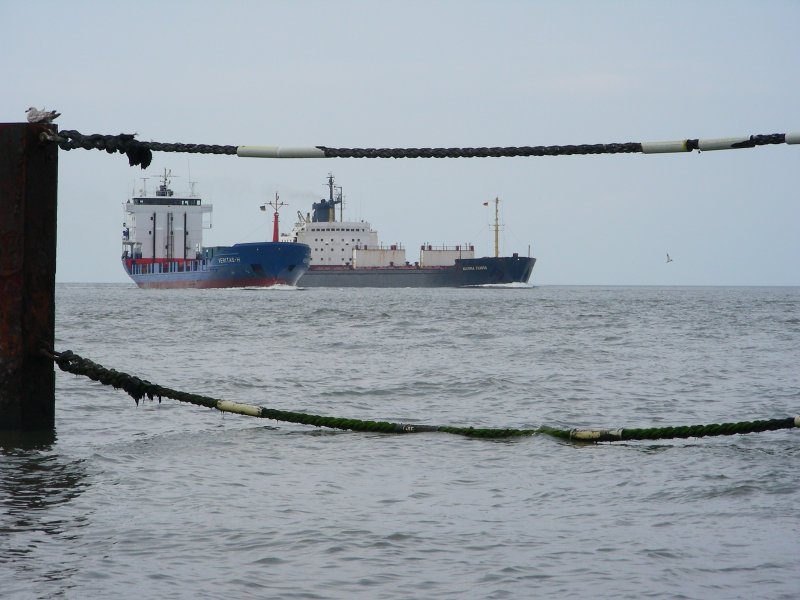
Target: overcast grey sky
point(436, 73)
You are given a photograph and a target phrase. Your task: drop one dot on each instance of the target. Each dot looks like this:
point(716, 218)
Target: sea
point(171, 500)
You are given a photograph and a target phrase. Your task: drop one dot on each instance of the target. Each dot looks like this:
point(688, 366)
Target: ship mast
point(334, 200)
point(340, 199)
point(496, 227)
point(332, 213)
point(275, 204)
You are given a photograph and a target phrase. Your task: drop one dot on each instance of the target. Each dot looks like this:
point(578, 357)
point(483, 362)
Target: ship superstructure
point(164, 227)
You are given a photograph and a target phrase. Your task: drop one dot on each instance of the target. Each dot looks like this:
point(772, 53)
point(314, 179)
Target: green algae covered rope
point(140, 388)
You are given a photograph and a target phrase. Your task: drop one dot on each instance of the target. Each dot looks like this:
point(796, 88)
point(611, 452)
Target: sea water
point(169, 500)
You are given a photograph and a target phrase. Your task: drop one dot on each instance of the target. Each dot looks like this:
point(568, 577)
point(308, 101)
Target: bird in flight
point(669, 260)
point(41, 116)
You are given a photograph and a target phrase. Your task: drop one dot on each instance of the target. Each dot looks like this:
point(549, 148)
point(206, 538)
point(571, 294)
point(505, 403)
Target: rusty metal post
point(28, 202)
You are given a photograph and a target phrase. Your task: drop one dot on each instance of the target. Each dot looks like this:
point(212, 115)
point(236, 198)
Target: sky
point(429, 74)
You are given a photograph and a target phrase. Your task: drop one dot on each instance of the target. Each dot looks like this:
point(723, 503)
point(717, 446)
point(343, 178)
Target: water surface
point(169, 500)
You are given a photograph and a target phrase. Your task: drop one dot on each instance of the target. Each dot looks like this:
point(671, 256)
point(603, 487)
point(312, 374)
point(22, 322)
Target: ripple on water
point(169, 500)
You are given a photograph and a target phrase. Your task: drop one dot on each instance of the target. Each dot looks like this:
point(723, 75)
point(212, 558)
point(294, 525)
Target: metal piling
point(28, 206)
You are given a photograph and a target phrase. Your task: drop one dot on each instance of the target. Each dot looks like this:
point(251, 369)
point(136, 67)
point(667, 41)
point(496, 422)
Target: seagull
point(41, 116)
point(669, 260)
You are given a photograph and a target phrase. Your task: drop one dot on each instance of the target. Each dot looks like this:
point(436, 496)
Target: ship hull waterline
point(257, 264)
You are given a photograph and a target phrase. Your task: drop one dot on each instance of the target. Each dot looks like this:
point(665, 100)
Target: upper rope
point(141, 153)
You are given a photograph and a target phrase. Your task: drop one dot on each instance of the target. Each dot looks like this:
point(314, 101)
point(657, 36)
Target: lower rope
point(139, 388)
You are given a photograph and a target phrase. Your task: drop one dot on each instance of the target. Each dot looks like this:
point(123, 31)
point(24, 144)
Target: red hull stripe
point(207, 283)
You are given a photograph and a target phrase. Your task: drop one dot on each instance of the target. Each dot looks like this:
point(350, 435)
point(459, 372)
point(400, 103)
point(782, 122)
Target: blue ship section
point(257, 264)
point(490, 270)
point(465, 273)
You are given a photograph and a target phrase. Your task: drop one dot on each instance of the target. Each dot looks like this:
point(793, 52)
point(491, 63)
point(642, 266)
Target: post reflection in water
point(37, 530)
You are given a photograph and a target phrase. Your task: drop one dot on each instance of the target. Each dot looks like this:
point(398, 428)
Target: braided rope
point(140, 388)
point(623, 148)
point(141, 153)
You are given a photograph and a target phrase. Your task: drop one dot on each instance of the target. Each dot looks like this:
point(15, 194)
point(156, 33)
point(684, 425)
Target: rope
point(140, 388)
point(616, 148)
point(140, 153)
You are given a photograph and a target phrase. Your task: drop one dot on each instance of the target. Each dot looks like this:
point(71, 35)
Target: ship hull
point(465, 273)
point(259, 264)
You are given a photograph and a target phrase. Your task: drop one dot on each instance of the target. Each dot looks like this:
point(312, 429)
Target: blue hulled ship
point(162, 241)
point(349, 254)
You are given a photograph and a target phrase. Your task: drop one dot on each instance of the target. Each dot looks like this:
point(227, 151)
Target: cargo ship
point(349, 254)
point(162, 247)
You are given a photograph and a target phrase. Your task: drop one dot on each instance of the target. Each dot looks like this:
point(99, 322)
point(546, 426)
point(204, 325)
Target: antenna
point(189, 175)
point(276, 204)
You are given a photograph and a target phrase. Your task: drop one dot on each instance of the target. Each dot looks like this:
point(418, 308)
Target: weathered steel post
point(28, 202)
